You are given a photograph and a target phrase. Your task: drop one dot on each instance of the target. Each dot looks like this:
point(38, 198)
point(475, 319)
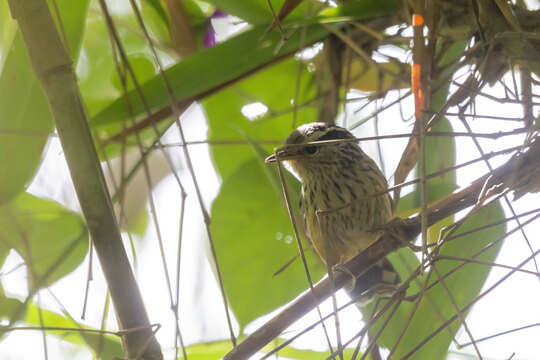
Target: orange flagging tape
point(417, 20)
point(417, 90)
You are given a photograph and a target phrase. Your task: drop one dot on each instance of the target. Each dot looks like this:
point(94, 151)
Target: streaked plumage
point(338, 180)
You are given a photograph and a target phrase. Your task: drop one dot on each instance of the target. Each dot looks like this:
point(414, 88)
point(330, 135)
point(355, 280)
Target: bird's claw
point(397, 225)
point(343, 269)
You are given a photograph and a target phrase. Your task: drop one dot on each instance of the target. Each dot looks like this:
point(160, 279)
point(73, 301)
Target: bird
point(344, 202)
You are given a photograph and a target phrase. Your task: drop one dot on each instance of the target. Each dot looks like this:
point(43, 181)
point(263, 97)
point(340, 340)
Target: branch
point(520, 166)
point(54, 68)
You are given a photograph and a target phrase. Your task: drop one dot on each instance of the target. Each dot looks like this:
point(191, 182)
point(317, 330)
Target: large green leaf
point(98, 79)
point(253, 238)
point(52, 240)
point(274, 87)
point(106, 346)
point(212, 69)
point(464, 285)
point(7, 31)
point(208, 70)
point(25, 119)
point(218, 349)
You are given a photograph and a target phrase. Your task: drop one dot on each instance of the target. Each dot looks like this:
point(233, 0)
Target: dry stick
point(276, 21)
point(476, 116)
point(53, 66)
point(113, 33)
point(183, 194)
point(388, 242)
point(487, 247)
point(120, 190)
point(304, 331)
point(153, 211)
point(299, 243)
point(508, 202)
point(467, 307)
point(423, 289)
point(43, 279)
point(373, 341)
point(299, 71)
point(363, 332)
point(457, 310)
point(483, 250)
point(387, 106)
point(492, 136)
point(60, 328)
point(526, 90)
point(123, 56)
point(371, 316)
point(331, 278)
point(420, 84)
point(176, 113)
point(34, 275)
point(481, 262)
point(178, 336)
point(501, 333)
point(505, 220)
point(303, 31)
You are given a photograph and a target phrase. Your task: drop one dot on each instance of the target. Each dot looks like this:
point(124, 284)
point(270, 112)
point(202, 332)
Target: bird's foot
point(397, 228)
point(343, 269)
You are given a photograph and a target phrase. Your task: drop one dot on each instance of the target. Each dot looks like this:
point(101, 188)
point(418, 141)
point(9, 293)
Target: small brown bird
point(341, 215)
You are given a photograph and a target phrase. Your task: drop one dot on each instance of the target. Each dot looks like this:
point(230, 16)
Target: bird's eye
point(311, 149)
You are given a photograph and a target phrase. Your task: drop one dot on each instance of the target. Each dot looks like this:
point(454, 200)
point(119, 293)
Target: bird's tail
point(381, 278)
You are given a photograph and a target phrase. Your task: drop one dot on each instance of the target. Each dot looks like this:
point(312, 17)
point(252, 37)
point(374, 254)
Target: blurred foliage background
point(257, 69)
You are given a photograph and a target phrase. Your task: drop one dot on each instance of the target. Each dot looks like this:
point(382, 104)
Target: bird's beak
point(282, 154)
point(271, 159)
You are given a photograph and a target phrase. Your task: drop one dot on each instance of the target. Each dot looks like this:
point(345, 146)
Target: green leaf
point(97, 75)
point(52, 240)
point(464, 284)
point(143, 67)
point(158, 8)
point(8, 26)
point(208, 70)
point(25, 119)
point(218, 349)
point(106, 346)
point(227, 122)
point(253, 238)
point(292, 353)
point(257, 11)
point(98, 78)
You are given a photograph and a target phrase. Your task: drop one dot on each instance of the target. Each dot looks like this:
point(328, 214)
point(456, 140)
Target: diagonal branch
point(395, 237)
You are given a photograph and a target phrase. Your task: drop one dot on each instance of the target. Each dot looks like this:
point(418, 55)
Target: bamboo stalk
point(54, 68)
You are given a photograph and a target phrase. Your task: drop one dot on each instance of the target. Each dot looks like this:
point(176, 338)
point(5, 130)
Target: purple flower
point(210, 38)
point(218, 14)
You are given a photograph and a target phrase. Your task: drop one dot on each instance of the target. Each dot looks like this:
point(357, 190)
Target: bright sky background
point(513, 304)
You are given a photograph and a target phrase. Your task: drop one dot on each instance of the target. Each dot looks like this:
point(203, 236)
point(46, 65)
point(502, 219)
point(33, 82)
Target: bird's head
point(302, 153)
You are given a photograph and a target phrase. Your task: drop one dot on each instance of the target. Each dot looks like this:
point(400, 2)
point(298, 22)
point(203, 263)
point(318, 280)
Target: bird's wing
point(304, 226)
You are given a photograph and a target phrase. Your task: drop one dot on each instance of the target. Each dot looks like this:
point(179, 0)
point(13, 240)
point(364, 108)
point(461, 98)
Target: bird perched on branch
point(343, 202)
